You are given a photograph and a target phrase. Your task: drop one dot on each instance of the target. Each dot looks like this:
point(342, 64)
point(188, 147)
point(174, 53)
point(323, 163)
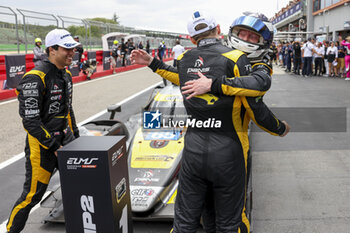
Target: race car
point(154, 156)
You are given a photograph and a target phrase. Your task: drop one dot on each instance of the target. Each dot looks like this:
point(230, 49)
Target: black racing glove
point(264, 64)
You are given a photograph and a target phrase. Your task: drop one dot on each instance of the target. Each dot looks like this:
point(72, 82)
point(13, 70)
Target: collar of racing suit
point(208, 41)
point(53, 66)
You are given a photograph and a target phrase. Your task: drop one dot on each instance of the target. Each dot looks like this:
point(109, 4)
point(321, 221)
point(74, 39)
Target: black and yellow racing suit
point(45, 106)
point(215, 157)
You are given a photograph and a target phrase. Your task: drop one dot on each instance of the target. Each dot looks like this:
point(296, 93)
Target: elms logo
point(151, 120)
point(17, 69)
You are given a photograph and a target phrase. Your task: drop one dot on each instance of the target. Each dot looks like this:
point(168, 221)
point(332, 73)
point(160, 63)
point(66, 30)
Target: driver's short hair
point(203, 34)
point(47, 50)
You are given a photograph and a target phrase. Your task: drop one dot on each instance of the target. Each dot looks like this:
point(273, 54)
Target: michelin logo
point(151, 120)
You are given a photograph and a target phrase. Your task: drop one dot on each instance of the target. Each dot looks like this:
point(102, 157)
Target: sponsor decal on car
point(147, 177)
point(160, 136)
point(154, 158)
point(142, 192)
point(159, 143)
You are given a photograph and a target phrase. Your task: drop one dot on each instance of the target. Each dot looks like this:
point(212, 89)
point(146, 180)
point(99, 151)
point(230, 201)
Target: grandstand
point(8, 39)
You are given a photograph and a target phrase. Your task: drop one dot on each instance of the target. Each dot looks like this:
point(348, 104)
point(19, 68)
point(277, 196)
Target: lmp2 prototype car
point(154, 157)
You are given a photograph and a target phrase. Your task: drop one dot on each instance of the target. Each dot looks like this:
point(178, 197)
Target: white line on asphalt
point(110, 76)
point(3, 225)
point(7, 102)
point(93, 80)
point(11, 160)
point(120, 103)
point(21, 155)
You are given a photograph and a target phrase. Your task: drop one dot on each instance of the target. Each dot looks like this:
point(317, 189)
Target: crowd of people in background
point(121, 51)
point(314, 58)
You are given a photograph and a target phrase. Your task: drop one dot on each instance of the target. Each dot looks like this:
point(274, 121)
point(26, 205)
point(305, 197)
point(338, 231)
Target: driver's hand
point(56, 151)
point(197, 86)
point(141, 57)
point(287, 129)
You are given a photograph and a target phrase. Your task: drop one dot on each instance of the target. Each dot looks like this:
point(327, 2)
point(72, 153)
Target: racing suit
point(45, 106)
point(215, 158)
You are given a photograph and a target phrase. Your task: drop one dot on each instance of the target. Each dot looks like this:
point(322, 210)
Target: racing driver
point(45, 106)
point(214, 159)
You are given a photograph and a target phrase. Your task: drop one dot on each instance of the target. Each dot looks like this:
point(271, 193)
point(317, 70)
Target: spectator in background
point(131, 47)
point(123, 49)
point(115, 52)
point(177, 51)
point(140, 46)
point(280, 56)
point(296, 57)
point(274, 52)
point(319, 53)
point(308, 50)
point(161, 50)
point(283, 50)
point(325, 59)
point(148, 47)
point(39, 53)
point(288, 56)
point(332, 53)
point(79, 49)
point(341, 58)
point(346, 45)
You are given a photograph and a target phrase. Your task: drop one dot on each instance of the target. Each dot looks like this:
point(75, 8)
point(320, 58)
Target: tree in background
point(95, 30)
point(115, 18)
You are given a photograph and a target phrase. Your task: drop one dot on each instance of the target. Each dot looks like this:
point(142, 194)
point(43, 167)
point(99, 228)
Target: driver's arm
point(263, 117)
point(170, 73)
point(243, 79)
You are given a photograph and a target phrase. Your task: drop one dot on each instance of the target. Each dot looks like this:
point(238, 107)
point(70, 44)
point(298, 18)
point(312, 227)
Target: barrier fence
point(13, 67)
point(19, 28)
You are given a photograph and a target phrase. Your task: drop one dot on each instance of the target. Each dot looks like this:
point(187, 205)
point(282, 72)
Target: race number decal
point(169, 135)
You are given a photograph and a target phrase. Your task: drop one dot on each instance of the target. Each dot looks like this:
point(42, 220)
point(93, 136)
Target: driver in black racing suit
point(215, 157)
point(45, 106)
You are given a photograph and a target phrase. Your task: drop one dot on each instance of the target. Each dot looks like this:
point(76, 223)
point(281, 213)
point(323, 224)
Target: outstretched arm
point(141, 57)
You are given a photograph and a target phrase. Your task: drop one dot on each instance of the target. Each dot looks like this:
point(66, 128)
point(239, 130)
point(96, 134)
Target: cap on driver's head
point(61, 38)
point(200, 18)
